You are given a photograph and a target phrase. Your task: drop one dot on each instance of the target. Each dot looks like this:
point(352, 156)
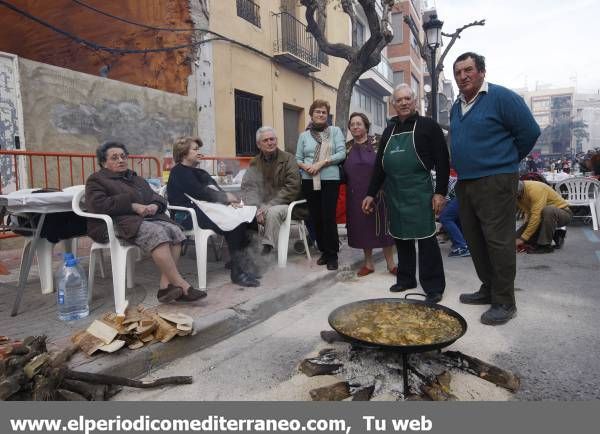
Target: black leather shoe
point(476, 298)
point(322, 260)
point(559, 238)
point(244, 279)
point(434, 298)
point(399, 288)
point(499, 314)
point(332, 265)
point(193, 294)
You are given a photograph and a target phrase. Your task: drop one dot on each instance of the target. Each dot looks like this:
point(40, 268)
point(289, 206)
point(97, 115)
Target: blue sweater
point(305, 153)
point(492, 137)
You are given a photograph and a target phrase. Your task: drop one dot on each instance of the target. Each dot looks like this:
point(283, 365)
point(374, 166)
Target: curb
point(211, 329)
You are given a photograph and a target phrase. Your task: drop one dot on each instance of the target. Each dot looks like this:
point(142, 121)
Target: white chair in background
point(122, 257)
point(199, 235)
point(284, 235)
point(582, 192)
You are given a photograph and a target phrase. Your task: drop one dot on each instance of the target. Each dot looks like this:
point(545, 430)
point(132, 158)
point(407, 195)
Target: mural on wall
point(9, 121)
point(124, 121)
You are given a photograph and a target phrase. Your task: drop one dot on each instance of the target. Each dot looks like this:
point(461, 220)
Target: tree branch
point(455, 36)
point(415, 32)
point(348, 8)
point(371, 14)
point(337, 50)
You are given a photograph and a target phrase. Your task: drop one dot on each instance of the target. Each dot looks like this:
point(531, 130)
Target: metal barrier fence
point(223, 166)
point(31, 169)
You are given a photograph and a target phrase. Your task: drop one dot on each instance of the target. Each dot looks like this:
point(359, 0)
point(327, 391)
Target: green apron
point(408, 189)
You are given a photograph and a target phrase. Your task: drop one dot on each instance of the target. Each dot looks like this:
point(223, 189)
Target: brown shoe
point(193, 294)
point(168, 294)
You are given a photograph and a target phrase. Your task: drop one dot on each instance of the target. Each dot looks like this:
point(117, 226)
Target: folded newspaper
point(225, 217)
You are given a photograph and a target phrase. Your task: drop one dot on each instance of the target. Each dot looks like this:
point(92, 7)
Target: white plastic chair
point(121, 255)
point(199, 235)
point(581, 192)
point(284, 235)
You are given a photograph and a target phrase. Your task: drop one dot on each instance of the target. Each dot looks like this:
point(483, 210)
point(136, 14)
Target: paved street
point(552, 344)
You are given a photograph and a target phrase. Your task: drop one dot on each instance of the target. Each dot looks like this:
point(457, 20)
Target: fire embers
point(375, 374)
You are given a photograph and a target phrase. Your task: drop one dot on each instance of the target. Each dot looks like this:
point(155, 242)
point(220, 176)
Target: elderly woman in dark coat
point(138, 214)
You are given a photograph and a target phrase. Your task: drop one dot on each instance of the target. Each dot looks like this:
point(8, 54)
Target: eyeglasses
point(320, 112)
point(118, 157)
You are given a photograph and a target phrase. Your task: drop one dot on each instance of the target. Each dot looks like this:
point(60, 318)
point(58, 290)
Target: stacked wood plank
point(137, 328)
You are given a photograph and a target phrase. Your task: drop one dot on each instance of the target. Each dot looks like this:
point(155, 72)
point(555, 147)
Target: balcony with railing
point(379, 79)
point(294, 45)
point(249, 11)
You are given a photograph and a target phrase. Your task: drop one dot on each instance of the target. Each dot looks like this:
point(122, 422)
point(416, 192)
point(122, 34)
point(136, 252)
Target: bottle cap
point(70, 260)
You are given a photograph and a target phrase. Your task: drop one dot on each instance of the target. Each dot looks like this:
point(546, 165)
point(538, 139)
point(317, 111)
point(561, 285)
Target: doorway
point(291, 127)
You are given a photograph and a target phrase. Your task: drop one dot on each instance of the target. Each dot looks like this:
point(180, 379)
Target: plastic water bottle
point(72, 293)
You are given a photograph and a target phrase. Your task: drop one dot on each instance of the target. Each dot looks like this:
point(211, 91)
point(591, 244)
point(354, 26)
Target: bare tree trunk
point(344, 95)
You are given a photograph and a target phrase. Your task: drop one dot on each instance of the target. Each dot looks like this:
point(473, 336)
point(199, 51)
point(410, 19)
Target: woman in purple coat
point(365, 231)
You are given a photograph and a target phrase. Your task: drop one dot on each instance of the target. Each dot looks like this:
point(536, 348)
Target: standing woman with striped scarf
point(320, 149)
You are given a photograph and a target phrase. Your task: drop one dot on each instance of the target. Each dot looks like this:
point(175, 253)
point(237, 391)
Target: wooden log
point(64, 356)
point(313, 367)
point(331, 336)
point(88, 391)
point(364, 394)
point(45, 386)
point(11, 385)
point(488, 372)
point(328, 352)
point(334, 392)
point(68, 395)
point(434, 387)
point(92, 378)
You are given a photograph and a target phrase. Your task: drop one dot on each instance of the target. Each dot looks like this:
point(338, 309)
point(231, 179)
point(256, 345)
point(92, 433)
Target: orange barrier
point(225, 165)
point(59, 169)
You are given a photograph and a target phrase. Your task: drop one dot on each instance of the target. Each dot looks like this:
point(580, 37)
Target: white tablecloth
point(25, 201)
point(557, 177)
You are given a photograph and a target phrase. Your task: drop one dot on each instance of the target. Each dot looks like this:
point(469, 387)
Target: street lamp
point(433, 39)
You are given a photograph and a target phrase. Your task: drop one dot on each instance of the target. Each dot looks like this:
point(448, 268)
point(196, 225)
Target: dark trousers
point(321, 205)
point(552, 218)
point(431, 266)
point(487, 208)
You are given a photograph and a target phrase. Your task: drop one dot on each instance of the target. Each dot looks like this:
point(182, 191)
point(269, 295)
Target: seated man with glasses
point(138, 214)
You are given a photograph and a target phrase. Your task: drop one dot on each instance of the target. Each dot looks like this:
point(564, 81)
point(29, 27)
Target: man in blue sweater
point(491, 131)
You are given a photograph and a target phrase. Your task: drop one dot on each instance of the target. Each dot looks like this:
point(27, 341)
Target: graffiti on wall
point(124, 121)
point(9, 121)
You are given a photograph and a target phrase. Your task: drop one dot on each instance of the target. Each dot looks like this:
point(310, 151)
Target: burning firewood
point(334, 392)
point(372, 372)
point(491, 373)
point(30, 372)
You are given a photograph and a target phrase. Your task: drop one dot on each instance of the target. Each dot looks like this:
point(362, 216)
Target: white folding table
point(27, 204)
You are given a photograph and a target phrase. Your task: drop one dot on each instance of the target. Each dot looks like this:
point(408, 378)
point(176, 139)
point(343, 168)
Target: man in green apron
point(412, 146)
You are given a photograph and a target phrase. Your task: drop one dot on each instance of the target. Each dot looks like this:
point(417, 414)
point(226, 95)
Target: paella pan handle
point(414, 293)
